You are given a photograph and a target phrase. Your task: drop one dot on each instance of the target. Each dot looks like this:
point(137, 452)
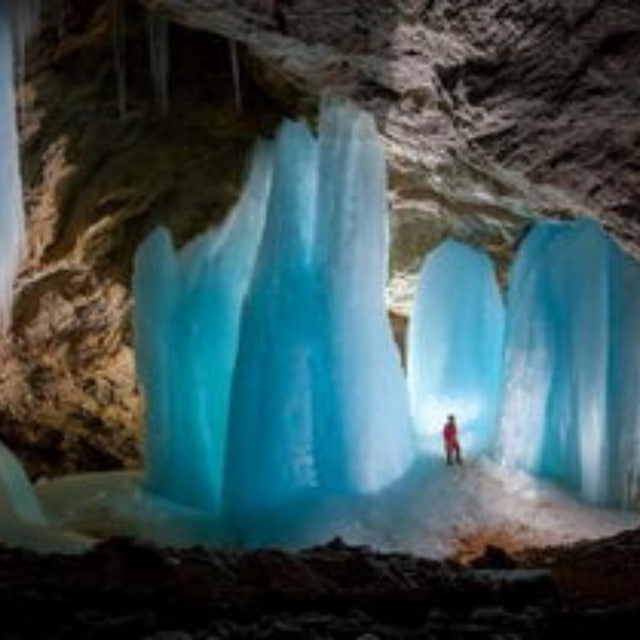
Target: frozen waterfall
point(270, 459)
point(315, 398)
point(187, 310)
point(319, 406)
point(11, 215)
point(573, 362)
point(455, 347)
point(364, 437)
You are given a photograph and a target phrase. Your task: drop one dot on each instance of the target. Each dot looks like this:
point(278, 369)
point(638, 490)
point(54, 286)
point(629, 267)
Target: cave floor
point(123, 589)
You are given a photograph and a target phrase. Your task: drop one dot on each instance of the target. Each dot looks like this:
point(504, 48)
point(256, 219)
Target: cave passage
point(456, 338)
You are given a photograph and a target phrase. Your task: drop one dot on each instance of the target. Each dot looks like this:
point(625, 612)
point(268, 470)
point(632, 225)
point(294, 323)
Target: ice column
point(187, 311)
point(364, 440)
point(455, 347)
point(572, 362)
point(11, 214)
point(270, 459)
point(320, 407)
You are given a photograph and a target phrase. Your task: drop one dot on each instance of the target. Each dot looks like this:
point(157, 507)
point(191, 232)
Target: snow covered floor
point(426, 514)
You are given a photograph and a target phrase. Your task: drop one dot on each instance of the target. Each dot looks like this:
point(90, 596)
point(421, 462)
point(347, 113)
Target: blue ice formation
point(11, 214)
point(319, 404)
point(23, 523)
point(364, 435)
point(186, 318)
point(455, 347)
point(269, 370)
point(270, 459)
point(572, 378)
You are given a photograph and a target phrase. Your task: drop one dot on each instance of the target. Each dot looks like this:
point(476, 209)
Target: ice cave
point(276, 407)
point(254, 254)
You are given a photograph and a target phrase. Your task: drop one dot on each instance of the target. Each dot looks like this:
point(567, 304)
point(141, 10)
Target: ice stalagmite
point(158, 27)
point(319, 405)
point(363, 437)
point(572, 362)
point(187, 310)
point(270, 460)
point(11, 215)
point(455, 347)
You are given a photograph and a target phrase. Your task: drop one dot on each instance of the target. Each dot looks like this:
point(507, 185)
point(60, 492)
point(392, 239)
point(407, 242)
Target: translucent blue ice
point(270, 458)
point(364, 437)
point(186, 317)
point(11, 215)
point(319, 407)
point(573, 362)
point(455, 348)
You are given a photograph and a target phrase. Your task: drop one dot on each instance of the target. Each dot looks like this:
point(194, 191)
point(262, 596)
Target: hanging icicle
point(158, 32)
point(25, 21)
point(62, 15)
point(119, 43)
point(235, 72)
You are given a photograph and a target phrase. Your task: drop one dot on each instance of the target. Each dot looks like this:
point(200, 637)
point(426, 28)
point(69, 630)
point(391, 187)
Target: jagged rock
point(494, 558)
point(127, 590)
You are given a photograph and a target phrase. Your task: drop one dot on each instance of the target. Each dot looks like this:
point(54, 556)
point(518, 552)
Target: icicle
point(62, 17)
point(25, 18)
point(158, 30)
point(235, 71)
point(119, 41)
point(11, 214)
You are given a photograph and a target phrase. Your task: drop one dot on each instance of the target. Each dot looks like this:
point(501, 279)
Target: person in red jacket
point(451, 444)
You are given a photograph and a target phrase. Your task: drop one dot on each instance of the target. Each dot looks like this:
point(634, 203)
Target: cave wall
point(493, 113)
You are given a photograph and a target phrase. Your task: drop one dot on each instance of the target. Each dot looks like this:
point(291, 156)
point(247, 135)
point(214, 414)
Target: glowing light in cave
point(455, 347)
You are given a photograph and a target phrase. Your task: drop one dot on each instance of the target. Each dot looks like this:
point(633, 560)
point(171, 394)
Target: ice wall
point(573, 362)
point(455, 348)
point(11, 214)
point(186, 316)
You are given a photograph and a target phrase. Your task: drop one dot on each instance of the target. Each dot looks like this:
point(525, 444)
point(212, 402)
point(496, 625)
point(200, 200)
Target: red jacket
point(450, 433)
